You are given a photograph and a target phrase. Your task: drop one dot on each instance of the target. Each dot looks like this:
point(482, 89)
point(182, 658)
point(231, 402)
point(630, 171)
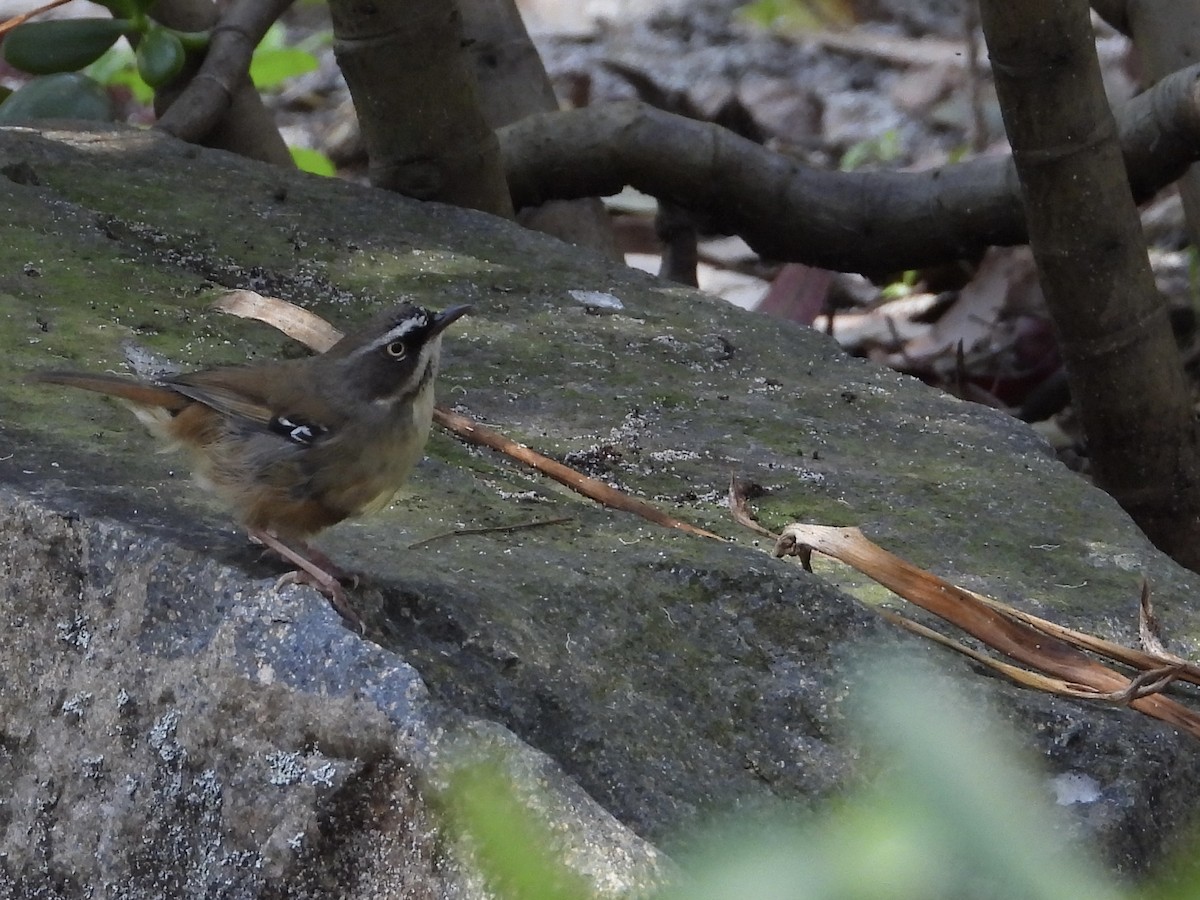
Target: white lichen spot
point(669, 341)
point(1102, 555)
point(285, 768)
point(296, 841)
point(75, 632)
point(322, 776)
point(597, 300)
point(206, 789)
point(765, 386)
point(1074, 787)
point(162, 737)
point(520, 496)
point(674, 455)
point(76, 705)
point(93, 767)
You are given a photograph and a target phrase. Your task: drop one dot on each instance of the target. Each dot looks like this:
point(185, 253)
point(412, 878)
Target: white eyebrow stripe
point(394, 333)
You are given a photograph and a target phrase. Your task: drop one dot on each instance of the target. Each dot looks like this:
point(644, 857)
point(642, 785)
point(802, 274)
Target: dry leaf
point(1011, 636)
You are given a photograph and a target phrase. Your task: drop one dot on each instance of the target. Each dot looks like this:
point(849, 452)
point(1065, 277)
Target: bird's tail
point(136, 392)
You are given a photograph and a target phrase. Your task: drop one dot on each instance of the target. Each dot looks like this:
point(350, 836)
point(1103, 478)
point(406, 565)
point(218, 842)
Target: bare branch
point(217, 105)
point(874, 222)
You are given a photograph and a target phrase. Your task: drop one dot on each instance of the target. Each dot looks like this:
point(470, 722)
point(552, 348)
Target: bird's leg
point(326, 564)
point(314, 570)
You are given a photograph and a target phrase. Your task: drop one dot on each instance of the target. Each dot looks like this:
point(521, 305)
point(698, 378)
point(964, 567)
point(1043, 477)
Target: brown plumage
point(296, 446)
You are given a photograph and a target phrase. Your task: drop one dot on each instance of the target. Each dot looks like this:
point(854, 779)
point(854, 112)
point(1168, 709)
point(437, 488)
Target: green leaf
point(312, 161)
point(194, 41)
point(159, 57)
point(62, 45)
point(270, 68)
point(68, 95)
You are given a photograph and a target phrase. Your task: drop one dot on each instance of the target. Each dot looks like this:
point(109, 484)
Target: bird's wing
point(230, 400)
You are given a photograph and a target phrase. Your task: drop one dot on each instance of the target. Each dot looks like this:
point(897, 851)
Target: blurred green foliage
point(275, 60)
point(67, 95)
point(951, 809)
point(798, 15)
point(883, 148)
point(903, 287)
point(273, 63)
point(510, 845)
point(55, 49)
point(63, 45)
point(314, 161)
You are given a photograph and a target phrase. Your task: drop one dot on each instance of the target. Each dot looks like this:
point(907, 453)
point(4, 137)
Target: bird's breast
point(371, 460)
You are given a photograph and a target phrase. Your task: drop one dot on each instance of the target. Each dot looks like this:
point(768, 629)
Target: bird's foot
point(331, 588)
point(328, 566)
point(315, 569)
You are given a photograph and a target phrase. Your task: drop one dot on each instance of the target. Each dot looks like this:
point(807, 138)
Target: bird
point(296, 446)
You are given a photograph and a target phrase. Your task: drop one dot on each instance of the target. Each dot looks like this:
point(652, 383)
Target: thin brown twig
point(474, 433)
point(1152, 681)
point(488, 529)
point(1007, 634)
point(739, 508)
point(1025, 677)
point(1138, 659)
point(1160, 668)
point(1148, 628)
point(1154, 657)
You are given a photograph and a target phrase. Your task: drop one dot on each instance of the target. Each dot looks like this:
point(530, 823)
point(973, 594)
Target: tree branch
point(873, 222)
point(217, 105)
point(1165, 34)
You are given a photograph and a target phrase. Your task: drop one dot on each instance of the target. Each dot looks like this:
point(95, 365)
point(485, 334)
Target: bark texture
point(1166, 34)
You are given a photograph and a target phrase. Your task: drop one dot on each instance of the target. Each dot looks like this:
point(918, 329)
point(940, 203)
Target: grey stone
point(172, 725)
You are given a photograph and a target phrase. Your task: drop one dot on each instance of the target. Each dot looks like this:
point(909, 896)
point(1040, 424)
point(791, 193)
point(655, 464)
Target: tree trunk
point(1126, 377)
point(418, 103)
point(513, 84)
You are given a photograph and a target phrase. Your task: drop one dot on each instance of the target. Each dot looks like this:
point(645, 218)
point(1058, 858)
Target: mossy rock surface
point(671, 676)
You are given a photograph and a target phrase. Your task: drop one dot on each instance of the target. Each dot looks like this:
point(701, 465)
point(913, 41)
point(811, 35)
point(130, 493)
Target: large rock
point(170, 723)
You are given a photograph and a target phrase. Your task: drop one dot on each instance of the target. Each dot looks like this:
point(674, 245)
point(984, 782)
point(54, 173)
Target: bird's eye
point(397, 350)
